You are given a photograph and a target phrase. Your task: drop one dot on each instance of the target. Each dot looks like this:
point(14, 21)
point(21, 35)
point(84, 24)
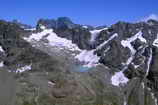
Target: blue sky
point(93, 12)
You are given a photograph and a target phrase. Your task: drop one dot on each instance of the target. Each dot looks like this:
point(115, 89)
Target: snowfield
point(88, 57)
point(53, 39)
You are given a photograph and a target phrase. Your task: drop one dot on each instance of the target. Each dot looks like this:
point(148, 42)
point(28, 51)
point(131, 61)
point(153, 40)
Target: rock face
point(44, 70)
point(61, 22)
point(65, 28)
point(135, 40)
point(133, 52)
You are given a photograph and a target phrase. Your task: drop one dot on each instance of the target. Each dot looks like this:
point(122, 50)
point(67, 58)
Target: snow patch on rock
point(88, 58)
point(119, 78)
point(105, 42)
point(143, 85)
point(1, 49)
point(95, 33)
point(148, 63)
point(42, 27)
point(51, 83)
point(135, 66)
point(127, 42)
point(155, 43)
point(23, 69)
point(1, 64)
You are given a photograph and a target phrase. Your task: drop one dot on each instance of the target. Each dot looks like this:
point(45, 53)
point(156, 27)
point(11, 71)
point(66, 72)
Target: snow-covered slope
point(53, 39)
point(88, 58)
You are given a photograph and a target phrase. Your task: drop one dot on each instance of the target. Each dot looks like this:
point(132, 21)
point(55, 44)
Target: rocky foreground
point(62, 63)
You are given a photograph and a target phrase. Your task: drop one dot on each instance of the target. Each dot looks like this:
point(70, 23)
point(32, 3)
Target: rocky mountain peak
point(49, 23)
point(59, 23)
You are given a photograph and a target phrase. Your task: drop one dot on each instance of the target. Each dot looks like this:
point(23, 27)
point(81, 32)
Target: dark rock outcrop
point(65, 28)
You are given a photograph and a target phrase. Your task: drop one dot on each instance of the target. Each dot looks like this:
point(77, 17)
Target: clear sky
point(93, 12)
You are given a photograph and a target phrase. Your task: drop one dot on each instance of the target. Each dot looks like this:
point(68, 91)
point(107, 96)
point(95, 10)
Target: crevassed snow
point(95, 33)
point(1, 49)
point(88, 58)
point(53, 39)
point(23, 69)
point(148, 63)
point(105, 42)
point(119, 78)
